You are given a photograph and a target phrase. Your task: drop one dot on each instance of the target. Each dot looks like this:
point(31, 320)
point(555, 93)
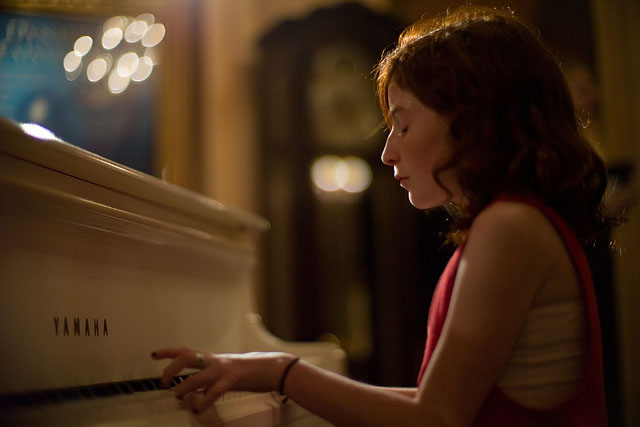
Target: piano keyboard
point(141, 403)
point(58, 396)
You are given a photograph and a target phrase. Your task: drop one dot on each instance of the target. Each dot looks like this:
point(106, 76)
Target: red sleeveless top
point(587, 407)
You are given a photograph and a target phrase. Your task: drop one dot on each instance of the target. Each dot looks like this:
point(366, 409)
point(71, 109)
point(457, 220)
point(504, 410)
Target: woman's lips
point(401, 180)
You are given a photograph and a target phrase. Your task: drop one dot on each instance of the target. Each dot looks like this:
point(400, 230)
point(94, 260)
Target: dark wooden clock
point(342, 107)
point(335, 265)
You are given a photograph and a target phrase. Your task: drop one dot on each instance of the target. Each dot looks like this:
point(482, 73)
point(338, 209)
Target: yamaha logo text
point(78, 326)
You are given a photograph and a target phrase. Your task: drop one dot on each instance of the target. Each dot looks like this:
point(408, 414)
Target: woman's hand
point(222, 372)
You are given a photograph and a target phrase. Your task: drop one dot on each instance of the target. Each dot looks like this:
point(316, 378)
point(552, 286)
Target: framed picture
point(99, 75)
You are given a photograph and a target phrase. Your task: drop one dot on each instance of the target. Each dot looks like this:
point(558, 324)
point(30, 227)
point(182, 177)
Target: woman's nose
point(388, 156)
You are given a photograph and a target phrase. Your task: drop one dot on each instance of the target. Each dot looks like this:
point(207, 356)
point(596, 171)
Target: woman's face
point(417, 143)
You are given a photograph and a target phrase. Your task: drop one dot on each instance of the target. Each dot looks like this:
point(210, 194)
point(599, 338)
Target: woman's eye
point(403, 131)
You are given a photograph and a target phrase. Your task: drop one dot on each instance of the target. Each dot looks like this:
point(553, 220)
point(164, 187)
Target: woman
point(480, 120)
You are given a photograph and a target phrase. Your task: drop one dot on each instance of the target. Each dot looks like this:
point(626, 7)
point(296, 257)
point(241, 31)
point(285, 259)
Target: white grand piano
point(99, 266)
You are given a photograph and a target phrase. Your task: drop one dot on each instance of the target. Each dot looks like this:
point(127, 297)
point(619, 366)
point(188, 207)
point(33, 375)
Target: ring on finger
point(199, 361)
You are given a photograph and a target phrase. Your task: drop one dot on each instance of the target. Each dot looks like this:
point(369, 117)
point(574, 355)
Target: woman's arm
point(508, 258)
point(502, 267)
point(405, 391)
point(334, 397)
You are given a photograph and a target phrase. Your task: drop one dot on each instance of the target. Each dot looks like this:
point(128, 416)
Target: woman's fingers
point(218, 373)
point(201, 380)
point(182, 358)
point(169, 353)
point(178, 364)
point(213, 392)
point(193, 358)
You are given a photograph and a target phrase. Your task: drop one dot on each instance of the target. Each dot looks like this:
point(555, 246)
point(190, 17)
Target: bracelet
point(284, 377)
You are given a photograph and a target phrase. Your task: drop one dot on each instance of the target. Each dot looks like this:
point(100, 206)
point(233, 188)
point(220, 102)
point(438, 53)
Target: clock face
point(342, 102)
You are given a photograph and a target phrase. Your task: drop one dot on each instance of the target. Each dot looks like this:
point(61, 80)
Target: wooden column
point(618, 52)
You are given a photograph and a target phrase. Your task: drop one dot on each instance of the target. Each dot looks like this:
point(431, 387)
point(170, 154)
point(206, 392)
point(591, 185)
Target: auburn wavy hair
point(513, 126)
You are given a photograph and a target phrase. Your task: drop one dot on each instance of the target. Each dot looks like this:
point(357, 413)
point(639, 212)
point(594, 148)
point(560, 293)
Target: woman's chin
point(426, 203)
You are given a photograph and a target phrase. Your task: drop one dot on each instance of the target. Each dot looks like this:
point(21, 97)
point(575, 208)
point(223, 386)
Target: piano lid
point(46, 150)
point(101, 264)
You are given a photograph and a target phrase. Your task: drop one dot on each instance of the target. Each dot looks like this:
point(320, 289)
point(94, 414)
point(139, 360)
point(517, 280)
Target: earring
point(454, 209)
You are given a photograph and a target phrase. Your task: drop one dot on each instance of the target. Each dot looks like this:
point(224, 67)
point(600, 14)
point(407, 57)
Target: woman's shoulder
point(512, 219)
point(516, 232)
point(519, 233)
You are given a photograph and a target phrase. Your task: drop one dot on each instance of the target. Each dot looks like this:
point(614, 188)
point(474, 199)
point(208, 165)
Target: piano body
point(99, 266)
